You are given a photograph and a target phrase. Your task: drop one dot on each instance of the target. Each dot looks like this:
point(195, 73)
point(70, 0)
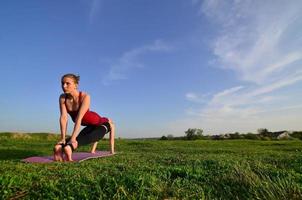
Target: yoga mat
point(76, 156)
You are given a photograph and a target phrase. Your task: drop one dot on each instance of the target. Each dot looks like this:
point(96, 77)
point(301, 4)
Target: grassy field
point(153, 169)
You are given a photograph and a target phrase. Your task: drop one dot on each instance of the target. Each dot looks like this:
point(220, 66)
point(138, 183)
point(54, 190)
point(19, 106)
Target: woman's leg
point(69, 148)
point(88, 135)
point(111, 129)
point(91, 134)
point(93, 148)
point(58, 152)
point(111, 136)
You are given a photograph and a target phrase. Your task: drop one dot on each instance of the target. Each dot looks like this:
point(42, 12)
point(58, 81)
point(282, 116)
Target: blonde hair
point(74, 77)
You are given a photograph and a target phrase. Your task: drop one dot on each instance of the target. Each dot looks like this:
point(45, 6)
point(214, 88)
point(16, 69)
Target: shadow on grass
point(16, 154)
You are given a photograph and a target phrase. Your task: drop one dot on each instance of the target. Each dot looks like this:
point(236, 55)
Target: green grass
point(153, 169)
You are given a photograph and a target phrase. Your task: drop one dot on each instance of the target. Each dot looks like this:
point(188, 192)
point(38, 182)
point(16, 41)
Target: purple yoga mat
point(76, 156)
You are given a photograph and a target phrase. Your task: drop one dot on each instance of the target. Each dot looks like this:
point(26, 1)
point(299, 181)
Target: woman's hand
point(62, 141)
point(74, 143)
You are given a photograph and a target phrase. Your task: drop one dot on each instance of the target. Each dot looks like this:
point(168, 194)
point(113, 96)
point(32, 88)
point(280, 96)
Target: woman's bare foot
point(68, 150)
point(58, 153)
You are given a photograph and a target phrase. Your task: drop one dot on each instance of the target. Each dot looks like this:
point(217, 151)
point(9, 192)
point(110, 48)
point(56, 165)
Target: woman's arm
point(83, 109)
point(63, 118)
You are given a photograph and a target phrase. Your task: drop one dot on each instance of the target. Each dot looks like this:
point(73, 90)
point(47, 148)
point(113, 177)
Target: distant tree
point(251, 136)
point(266, 138)
point(170, 137)
point(296, 134)
point(190, 133)
point(217, 137)
point(263, 132)
point(235, 135)
point(193, 133)
point(198, 132)
point(163, 138)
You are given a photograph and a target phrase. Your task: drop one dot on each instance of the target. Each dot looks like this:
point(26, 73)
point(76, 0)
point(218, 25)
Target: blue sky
point(156, 67)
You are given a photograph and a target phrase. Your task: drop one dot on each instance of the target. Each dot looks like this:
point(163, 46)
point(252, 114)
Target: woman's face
point(68, 85)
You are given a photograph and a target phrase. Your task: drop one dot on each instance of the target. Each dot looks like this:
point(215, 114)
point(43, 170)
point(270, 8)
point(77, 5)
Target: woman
point(76, 104)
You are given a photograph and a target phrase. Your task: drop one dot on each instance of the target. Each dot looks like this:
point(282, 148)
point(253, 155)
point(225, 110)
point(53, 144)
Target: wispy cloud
point(95, 7)
point(196, 98)
point(227, 92)
point(249, 106)
point(258, 40)
point(286, 81)
point(262, 42)
point(243, 109)
point(130, 60)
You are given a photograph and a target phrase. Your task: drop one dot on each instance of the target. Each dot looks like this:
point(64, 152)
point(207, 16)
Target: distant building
point(276, 135)
point(284, 135)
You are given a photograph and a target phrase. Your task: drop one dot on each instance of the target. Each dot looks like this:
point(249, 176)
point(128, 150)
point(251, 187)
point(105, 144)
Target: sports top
point(89, 118)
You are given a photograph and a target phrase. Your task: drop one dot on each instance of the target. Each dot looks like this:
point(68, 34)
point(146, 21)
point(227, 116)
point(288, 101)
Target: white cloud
point(285, 61)
point(94, 9)
point(262, 42)
point(227, 92)
point(193, 97)
point(246, 109)
point(130, 60)
point(287, 81)
point(243, 109)
point(258, 39)
point(244, 102)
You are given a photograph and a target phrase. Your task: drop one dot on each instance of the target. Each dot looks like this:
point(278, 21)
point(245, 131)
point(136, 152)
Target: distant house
point(276, 134)
point(217, 137)
point(284, 135)
point(226, 136)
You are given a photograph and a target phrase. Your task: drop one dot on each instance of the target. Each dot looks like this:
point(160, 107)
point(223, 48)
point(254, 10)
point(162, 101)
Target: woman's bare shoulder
point(84, 94)
point(62, 97)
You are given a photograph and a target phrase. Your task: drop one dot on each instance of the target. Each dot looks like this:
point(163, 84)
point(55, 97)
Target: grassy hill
point(153, 169)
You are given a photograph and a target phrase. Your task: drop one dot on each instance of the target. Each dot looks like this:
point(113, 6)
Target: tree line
point(262, 134)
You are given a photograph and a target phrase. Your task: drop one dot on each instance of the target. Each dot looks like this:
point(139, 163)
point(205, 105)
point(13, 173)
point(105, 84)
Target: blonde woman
point(76, 103)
